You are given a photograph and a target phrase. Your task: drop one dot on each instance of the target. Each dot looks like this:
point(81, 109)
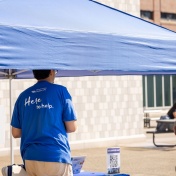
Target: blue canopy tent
point(80, 38)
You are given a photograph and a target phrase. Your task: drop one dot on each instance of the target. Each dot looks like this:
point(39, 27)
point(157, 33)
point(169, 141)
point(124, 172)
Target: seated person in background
point(171, 114)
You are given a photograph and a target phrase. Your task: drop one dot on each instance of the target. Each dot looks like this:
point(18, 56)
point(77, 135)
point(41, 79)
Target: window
point(174, 88)
point(159, 95)
point(159, 90)
point(147, 14)
point(143, 87)
point(167, 97)
point(150, 90)
point(168, 16)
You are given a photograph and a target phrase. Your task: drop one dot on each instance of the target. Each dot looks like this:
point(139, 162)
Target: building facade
point(160, 12)
point(129, 6)
point(159, 90)
point(109, 108)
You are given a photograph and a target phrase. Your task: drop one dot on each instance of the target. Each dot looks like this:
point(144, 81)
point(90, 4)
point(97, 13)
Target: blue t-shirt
point(40, 113)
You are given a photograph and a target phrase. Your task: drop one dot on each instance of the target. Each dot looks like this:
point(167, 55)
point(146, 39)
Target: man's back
point(41, 111)
point(42, 117)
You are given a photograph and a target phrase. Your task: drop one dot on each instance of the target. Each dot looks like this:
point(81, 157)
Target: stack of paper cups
point(113, 160)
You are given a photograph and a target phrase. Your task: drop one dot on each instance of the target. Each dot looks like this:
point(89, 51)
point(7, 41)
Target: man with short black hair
point(42, 117)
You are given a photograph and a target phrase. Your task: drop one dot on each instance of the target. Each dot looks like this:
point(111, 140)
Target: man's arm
point(16, 132)
point(71, 126)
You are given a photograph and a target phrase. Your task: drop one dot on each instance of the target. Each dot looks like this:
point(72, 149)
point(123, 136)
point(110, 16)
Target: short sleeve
point(68, 111)
point(15, 122)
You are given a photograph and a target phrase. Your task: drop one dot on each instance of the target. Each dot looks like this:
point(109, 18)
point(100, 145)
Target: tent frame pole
point(10, 97)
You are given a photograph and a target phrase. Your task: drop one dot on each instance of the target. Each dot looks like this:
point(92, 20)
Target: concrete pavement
point(137, 158)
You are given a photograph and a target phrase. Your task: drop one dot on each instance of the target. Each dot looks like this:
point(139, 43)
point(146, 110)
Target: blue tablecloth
point(90, 174)
point(98, 174)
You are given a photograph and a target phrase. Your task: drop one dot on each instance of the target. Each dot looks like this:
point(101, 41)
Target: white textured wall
point(2, 128)
point(129, 6)
point(108, 108)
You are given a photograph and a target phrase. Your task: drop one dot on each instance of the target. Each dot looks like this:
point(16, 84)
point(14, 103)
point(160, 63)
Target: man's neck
point(46, 79)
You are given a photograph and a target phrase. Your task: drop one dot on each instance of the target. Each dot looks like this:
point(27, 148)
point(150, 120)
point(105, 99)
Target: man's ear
point(51, 72)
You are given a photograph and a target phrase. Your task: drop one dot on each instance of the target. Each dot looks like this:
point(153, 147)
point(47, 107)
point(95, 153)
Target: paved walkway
point(137, 159)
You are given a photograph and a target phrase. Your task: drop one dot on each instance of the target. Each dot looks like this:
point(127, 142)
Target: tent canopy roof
point(81, 37)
